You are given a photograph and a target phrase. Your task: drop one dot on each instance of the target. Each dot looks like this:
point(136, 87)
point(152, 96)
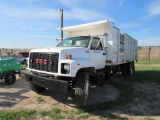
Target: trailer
point(8, 68)
point(90, 54)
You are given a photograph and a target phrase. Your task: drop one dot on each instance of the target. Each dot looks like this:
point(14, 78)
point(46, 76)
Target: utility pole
point(14, 47)
point(61, 20)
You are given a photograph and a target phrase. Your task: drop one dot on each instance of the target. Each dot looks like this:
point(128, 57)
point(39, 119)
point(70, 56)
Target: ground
point(19, 96)
point(144, 104)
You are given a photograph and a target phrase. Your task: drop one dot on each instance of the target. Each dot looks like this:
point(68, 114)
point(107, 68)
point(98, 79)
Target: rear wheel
point(130, 69)
point(123, 69)
point(10, 78)
point(107, 73)
point(82, 89)
point(36, 88)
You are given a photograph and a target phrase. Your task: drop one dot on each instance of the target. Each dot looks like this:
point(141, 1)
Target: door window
point(96, 44)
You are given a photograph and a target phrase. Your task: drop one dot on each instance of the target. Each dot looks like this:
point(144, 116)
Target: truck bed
point(121, 47)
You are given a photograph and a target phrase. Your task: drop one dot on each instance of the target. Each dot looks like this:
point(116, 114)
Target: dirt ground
point(146, 101)
point(19, 96)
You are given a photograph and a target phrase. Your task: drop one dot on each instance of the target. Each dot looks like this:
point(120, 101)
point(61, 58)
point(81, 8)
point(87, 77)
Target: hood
point(76, 52)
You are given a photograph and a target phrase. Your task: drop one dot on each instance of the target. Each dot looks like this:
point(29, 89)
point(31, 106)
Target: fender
point(6, 72)
point(78, 64)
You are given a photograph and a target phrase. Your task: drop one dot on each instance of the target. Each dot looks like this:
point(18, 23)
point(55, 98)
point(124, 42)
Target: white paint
point(94, 58)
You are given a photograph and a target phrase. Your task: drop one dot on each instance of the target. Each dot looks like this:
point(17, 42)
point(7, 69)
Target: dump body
point(121, 48)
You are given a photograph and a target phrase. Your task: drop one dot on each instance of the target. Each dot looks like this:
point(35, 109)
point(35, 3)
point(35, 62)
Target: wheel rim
point(10, 78)
point(86, 89)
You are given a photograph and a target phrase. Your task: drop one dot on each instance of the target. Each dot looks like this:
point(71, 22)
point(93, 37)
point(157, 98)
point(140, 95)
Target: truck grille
point(44, 61)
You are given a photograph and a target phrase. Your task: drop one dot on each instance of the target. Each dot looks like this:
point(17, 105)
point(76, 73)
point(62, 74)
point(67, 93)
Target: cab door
point(97, 53)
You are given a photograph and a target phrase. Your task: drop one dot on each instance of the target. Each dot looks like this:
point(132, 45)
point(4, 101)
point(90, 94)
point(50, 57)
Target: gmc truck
point(90, 54)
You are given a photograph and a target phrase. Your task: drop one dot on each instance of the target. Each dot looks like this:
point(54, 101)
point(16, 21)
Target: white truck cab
point(91, 52)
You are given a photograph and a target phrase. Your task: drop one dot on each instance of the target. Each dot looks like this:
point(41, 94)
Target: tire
point(107, 73)
point(36, 88)
point(101, 79)
point(93, 80)
point(82, 89)
point(133, 67)
point(123, 69)
point(130, 69)
point(10, 78)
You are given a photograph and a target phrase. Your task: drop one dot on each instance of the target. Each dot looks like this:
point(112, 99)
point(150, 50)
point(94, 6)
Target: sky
point(36, 23)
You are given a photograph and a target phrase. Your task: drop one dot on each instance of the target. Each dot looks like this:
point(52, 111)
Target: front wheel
point(82, 89)
point(36, 88)
point(10, 78)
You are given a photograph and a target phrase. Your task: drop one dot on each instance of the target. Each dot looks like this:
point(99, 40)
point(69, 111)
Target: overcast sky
point(36, 23)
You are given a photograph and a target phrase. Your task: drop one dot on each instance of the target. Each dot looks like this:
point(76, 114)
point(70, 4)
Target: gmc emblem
point(41, 61)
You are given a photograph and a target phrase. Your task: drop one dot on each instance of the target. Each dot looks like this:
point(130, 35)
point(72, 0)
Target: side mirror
point(58, 41)
point(105, 40)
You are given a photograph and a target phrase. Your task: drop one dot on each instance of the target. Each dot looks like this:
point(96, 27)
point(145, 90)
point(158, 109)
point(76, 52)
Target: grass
point(145, 72)
point(147, 62)
point(55, 114)
point(39, 99)
point(79, 114)
point(23, 65)
point(125, 96)
point(146, 118)
point(17, 115)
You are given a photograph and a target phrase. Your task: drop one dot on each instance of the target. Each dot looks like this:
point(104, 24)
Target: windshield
point(81, 41)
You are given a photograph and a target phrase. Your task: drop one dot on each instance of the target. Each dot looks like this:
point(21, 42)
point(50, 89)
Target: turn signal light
point(69, 56)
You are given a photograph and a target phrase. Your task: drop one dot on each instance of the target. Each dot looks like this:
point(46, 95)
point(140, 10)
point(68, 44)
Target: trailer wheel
point(123, 69)
point(82, 89)
point(36, 88)
point(10, 78)
point(130, 69)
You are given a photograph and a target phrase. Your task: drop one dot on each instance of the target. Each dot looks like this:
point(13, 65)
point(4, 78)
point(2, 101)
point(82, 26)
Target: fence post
point(149, 53)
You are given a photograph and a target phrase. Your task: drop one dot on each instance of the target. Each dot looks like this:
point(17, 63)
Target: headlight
point(67, 67)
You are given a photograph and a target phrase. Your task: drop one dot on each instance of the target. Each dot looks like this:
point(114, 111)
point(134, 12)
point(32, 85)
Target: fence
point(4, 50)
point(149, 53)
point(145, 53)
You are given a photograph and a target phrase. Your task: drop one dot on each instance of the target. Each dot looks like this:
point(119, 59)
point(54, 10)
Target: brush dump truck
point(89, 55)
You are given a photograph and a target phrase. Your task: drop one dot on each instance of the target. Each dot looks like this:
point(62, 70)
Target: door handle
point(104, 53)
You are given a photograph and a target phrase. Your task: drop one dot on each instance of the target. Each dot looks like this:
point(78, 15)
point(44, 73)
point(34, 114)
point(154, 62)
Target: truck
point(89, 55)
point(21, 57)
point(8, 68)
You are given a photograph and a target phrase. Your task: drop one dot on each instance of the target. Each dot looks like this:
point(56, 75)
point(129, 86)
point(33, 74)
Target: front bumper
point(50, 83)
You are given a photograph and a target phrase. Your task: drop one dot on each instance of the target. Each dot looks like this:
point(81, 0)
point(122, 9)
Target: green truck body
point(8, 68)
